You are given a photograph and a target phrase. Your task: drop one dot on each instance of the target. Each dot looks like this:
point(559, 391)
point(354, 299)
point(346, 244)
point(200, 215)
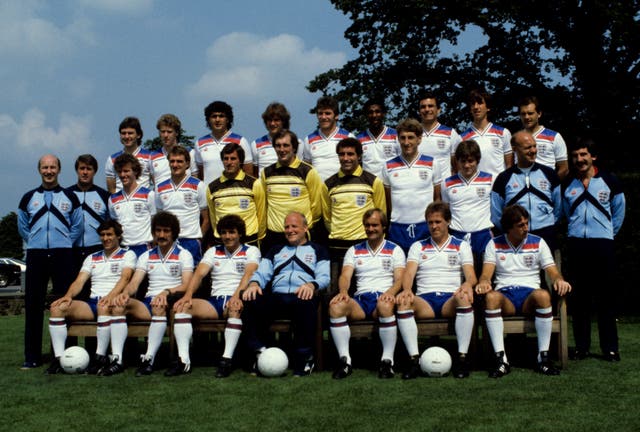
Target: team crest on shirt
point(424, 174)
point(515, 185)
point(243, 203)
point(543, 185)
point(453, 259)
point(295, 192)
point(359, 262)
point(97, 206)
point(481, 192)
point(441, 144)
point(386, 264)
point(502, 257)
point(361, 200)
point(137, 207)
point(115, 268)
point(424, 257)
point(309, 258)
point(387, 151)
point(188, 198)
point(495, 142)
point(64, 206)
point(240, 267)
point(528, 260)
point(603, 196)
point(174, 270)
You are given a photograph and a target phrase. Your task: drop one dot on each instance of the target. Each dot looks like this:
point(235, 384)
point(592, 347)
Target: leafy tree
point(581, 58)
point(183, 139)
point(10, 240)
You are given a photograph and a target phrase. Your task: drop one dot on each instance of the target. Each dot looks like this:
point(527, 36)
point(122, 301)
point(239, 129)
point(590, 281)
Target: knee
point(385, 309)
point(492, 299)
point(542, 298)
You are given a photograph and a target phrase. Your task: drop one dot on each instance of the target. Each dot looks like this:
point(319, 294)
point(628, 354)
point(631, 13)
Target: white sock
point(103, 334)
point(495, 326)
point(409, 331)
point(543, 323)
point(464, 328)
point(183, 330)
point(157, 329)
point(341, 334)
point(232, 333)
point(58, 332)
point(118, 336)
point(388, 331)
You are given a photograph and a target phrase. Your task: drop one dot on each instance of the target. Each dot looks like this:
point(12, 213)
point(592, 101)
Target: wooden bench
point(526, 325)
point(368, 329)
point(135, 329)
point(277, 326)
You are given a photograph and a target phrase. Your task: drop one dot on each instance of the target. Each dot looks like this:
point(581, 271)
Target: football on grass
point(74, 360)
point(273, 362)
point(435, 362)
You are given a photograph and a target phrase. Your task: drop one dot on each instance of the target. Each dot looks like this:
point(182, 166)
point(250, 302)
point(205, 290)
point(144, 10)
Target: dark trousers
point(591, 271)
point(259, 313)
point(43, 264)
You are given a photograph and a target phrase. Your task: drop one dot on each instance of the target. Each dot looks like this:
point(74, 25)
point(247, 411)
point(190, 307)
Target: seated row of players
point(441, 267)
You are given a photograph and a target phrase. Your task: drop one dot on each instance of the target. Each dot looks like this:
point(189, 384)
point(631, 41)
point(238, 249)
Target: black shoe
point(54, 367)
point(224, 368)
point(28, 365)
point(178, 368)
point(99, 362)
point(612, 356)
point(502, 367)
point(305, 366)
point(113, 369)
point(578, 354)
point(545, 366)
point(386, 369)
point(343, 370)
point(145, 368)
point(462, 367)
point(413, 370)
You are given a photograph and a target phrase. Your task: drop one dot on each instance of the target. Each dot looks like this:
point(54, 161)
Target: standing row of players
point(410, 180)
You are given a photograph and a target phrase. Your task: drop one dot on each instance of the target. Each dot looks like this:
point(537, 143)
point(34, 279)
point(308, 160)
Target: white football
point(74, 360)
point(435, 362)
point(273, 362)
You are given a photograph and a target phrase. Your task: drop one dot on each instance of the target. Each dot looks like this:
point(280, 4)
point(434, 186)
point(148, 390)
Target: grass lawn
point(590, 395)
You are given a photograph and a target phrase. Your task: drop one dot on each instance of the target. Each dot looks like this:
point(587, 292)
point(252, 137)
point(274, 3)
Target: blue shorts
point(478, 239)
point(147, 303)
point(93, 304)
point(404, 235)
point(368, 302)
point(516, 295)
point(219, 303)
point(193, 246)
point(436, 300)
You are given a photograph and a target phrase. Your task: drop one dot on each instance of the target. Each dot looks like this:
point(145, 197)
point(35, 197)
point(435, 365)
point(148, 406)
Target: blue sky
point(71, 70)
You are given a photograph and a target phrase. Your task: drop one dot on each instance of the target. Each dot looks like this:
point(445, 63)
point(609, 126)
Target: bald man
point(49, 221)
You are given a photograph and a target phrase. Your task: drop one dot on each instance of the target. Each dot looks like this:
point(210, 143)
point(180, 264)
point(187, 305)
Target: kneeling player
point(438, 265)
point(231, 265)
point(169, 268)
point(516, 259)
point(378, 265)
point(109, 270)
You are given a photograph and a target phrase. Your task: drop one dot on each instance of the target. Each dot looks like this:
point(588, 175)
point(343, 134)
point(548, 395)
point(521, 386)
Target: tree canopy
point(581, 58)
point(10, 240)
point(183, 139)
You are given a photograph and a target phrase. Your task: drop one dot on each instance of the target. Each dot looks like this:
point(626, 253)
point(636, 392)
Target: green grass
point(590, 395)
